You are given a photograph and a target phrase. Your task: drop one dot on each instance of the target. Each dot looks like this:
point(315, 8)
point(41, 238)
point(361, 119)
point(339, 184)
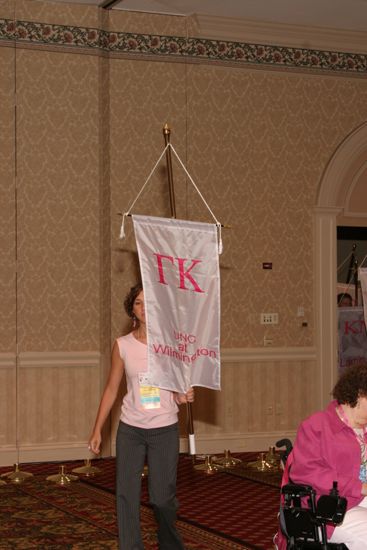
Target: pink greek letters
point(184, 274)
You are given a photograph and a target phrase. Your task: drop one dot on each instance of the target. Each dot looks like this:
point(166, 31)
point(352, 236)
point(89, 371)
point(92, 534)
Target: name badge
point(363, 473)
point(150, 397)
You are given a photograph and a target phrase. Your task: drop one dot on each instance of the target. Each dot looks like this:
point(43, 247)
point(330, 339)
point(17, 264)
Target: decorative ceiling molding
point(180, 48)
point(280, 34)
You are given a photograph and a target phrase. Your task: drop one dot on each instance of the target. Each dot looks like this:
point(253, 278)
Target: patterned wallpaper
point(256, 144)
point(58, 201)
point(104, 210)
point(91, 105)
point(143, 97)
point(263, 142)
point(7, 202)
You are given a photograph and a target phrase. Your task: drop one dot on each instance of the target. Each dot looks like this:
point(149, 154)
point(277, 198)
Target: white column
point(325, 300)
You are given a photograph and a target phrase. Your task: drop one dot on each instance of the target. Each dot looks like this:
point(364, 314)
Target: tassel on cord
point(220, 242)
point(122, 230)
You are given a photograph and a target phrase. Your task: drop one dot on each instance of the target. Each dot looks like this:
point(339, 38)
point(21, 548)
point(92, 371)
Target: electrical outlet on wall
point(269, 318)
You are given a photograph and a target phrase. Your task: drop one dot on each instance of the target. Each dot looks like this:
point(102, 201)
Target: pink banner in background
point(180, 273)
point(352, 337)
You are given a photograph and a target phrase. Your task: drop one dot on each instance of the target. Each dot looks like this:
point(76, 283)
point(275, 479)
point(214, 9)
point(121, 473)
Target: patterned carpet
point(41, 515)
point(241, 504)
point(241, 509)
point(227, 510)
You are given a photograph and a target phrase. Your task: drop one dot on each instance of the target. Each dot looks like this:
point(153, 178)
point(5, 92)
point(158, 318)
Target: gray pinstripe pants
point(161, 446)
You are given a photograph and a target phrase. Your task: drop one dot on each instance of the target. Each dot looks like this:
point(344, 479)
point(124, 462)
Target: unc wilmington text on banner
point(180, 274)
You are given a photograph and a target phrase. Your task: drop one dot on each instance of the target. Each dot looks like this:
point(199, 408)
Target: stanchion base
point(17, 476)
point(62, 478)
point(87, 470)
point(227, 461)
point(207, 467)
point(273, 459)
point(260, 465)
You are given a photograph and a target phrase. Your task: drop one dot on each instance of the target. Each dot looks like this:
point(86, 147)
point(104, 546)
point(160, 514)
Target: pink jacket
point(325, 450)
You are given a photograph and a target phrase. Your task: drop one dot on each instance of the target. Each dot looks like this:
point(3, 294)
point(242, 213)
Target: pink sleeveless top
point(134, 355)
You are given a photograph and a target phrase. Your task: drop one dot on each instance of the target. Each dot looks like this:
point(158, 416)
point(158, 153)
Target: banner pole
point(167, 137)
point(355, 280)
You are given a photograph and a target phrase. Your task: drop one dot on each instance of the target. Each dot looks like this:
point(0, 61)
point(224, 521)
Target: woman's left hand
point(187, 397)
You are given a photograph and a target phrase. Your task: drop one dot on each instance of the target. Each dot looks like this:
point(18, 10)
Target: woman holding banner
point(148, 428)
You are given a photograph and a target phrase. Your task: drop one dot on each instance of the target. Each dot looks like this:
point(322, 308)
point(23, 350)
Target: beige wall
point(87, 130)
point(8, 251)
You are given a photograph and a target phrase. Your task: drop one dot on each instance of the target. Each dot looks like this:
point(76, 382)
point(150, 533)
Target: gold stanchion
point(266, 462)
point(62, 478)
point(207, 467)
point(87, 470)
point(273, 459)
point(17, 476)
point(260, 464)
point(227, 461)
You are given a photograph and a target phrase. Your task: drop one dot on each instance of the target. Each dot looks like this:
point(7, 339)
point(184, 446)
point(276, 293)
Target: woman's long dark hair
point(130, 299)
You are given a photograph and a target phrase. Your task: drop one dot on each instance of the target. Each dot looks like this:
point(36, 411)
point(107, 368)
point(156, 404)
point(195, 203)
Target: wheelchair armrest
point(297, 490)
point(331, 509)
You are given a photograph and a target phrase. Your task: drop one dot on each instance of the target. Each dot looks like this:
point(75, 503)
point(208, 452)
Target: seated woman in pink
point(331, 445)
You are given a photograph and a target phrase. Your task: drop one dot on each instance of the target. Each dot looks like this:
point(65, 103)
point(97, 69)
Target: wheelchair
point(303, 522)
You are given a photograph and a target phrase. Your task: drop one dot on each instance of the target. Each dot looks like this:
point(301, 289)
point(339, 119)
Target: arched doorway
point(342, 200)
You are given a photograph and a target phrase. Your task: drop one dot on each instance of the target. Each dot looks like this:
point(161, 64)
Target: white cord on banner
point(218, 224)
point(122, 231)
point(194, 184)
point(343, 262)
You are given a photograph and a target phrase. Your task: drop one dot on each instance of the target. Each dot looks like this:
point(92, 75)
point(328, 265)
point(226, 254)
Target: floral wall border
point(181, 48)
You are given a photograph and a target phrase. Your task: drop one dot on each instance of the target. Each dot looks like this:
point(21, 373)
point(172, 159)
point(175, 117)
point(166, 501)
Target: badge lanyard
point(362, 442)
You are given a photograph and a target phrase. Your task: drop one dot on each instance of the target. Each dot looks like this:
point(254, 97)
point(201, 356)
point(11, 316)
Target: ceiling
point(335, 14)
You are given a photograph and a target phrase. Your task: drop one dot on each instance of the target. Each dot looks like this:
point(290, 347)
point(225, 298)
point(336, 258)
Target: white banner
point(352, 337)
point(362, 275)
point(180, 274)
